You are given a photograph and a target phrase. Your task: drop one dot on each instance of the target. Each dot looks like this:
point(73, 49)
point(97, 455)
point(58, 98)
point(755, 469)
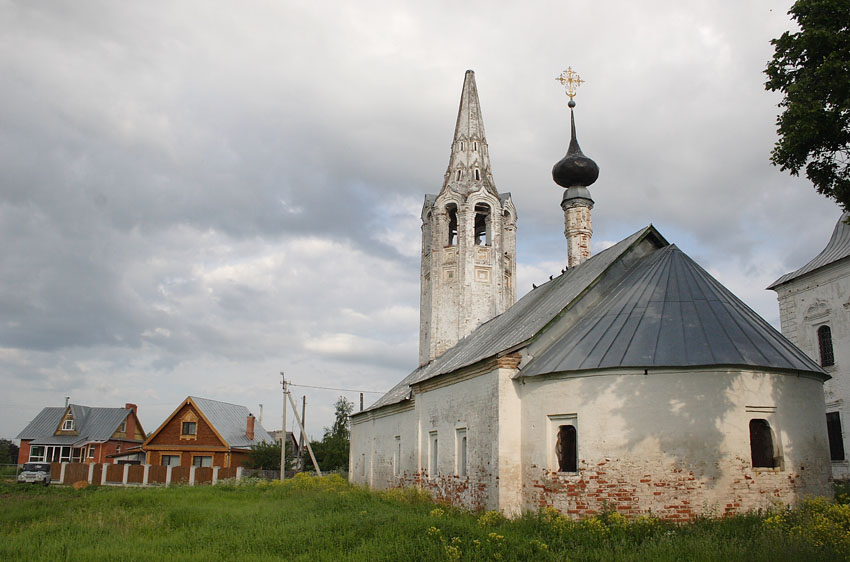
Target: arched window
point(567, 449)
point(482, 225)
point(761, 444)
point(459, 175)
point(461, 145)
point(827, 357)
point(451, 211)
point(475, 146)
point(477, 174)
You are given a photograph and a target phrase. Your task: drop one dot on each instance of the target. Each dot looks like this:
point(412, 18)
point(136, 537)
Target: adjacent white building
point(632, 379)
point(814, 311)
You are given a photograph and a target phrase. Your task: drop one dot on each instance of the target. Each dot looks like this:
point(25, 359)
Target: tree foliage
point(811, 68)
point(332, 451)
point(266, 456)
point(8, 452)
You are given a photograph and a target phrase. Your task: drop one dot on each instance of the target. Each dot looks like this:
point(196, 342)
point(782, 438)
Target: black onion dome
point(575, 169)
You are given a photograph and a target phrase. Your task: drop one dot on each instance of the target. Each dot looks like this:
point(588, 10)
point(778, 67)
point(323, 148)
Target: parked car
point(35, 473)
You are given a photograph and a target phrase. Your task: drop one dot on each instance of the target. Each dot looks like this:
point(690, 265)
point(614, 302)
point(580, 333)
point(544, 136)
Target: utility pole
point(283, 438)
point(303, 446)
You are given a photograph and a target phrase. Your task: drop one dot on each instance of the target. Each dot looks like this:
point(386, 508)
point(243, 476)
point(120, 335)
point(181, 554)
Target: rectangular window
point(123, 427)
point(566, 448)
point(397, 456)
point(836, 437)
point(68, 425)
point(202, 461)
point(189, 428)
point(91, 451)
point(761, 444)
point(432, 454)
point(36, 453)
point(170, 460)
point(460, 451)
point(562, 441)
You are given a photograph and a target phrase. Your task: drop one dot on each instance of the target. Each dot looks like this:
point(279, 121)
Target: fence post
point(238, 473)
point(168, 475)
point(91, 473)
point(103, 474)
point(146, 475)
point(215, 475)
point(126, 474)
point(192, 476)
point(62, 472)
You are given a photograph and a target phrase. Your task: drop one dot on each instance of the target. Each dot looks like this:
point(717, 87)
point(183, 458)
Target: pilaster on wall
point(509, 463)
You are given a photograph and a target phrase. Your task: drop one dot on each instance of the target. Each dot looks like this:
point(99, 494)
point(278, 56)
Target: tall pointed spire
point(469, 162)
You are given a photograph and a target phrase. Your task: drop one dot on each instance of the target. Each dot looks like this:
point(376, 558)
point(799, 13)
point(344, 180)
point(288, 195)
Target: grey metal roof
point(230, 420)
point(520, 322)
point(91, 424)
point(669, 312)
point(837, 248)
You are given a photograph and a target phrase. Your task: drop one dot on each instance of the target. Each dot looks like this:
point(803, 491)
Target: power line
point(339, 389)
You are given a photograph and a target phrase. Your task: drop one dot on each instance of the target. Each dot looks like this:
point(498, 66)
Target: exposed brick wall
point(667, 492)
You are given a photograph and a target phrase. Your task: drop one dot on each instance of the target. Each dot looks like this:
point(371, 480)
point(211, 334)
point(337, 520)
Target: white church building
point(814, 311)
point(632, 380)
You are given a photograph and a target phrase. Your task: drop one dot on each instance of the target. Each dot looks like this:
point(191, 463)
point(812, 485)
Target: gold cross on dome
point(570, 80)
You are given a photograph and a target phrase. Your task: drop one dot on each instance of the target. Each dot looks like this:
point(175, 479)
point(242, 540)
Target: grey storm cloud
point(195, 196)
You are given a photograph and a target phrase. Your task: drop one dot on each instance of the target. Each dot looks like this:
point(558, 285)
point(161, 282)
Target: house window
point(836, 439)
point(827, 357)
point(123, 427)
point(68, 424)
point(117, 449)
point(460, 443)
point(91, 451)
point(566, 448)
point(451, 211)
point(397, 456)
point(189, 428)
point(170, 460)
point(36, 453)
point(202, 461)
point(761, 444)
point(432, 454)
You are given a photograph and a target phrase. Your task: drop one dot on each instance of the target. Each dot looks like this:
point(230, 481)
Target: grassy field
point(327, 519)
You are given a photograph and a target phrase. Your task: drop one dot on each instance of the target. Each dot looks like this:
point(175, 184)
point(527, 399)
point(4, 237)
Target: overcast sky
point(197, 195)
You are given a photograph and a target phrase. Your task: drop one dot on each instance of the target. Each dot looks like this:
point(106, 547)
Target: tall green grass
point(327, 519)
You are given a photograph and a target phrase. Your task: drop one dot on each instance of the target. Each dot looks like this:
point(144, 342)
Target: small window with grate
point(827, 357)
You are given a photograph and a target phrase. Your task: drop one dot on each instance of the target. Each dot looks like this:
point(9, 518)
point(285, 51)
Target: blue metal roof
point(231, 422)
point(91, 424)
point(838, 248)
point(669, 312)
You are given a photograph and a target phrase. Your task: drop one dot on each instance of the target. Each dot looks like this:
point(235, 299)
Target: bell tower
point(468, 240)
